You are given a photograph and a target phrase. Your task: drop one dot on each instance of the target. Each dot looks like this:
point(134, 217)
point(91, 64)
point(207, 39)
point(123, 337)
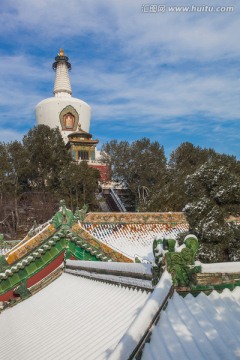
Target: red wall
point(103, 169)
point(37, 277)
point(45, 271)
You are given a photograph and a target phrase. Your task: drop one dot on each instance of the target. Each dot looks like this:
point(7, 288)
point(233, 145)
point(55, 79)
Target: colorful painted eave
point(73, 236)
point(37, 256)
point(29, 244)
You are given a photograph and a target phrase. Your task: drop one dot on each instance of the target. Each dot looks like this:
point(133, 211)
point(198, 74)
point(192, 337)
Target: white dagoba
point(63, 110)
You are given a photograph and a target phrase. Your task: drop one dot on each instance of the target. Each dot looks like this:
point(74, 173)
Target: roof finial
point(61, 52)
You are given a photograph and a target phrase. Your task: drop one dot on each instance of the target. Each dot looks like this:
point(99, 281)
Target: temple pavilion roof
point(112, 307)
point(72, 318)
point(134, 239)
point(81, 137)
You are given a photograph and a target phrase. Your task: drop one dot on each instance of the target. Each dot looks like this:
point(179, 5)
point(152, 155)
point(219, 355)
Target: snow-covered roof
point(134, 240)
point(137, 330)
point(227, 267)
point(130, 274)
point(72, 318)
point(202, 327)
point(116, 267)
point(4, 250)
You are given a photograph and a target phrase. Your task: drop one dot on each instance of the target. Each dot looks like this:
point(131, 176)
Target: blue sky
point(171, 76)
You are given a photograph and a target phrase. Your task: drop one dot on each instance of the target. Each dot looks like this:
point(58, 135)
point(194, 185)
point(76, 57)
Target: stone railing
point(117, 200)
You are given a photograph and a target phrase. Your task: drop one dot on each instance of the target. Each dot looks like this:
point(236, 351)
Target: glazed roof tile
point(128, 274)
point(130, 268)
point(202, 327)
point(72, 318)
point(134, 240)
point(123, 280)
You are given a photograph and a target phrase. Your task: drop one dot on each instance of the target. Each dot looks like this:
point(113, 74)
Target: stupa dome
point(62, 110)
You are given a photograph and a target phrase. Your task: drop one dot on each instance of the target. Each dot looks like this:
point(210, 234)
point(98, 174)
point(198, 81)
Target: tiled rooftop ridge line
point(138, 269)
point(38, 252)
point(36, 258)
point(134, 270)
point(134, 275)
point(125, 281)
point(98, 245)
point(36, 230)
point(30, 269)
point(134, 217)
point(25, 246)
point(79, 241)
point(130, 345)
point(128, 229)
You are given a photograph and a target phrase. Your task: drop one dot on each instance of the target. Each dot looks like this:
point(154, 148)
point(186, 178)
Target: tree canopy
point(47, 156)
point(214, 189)
point(198, 181)
point(139, 166)
point(36, 174)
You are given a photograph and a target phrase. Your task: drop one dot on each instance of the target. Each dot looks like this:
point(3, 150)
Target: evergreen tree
point(214, 190)
point(4, 169)
point(78, 185)
point(184, 161)
point(13, 176)
point(37, 174)
point(47, 157)
point(141, 167)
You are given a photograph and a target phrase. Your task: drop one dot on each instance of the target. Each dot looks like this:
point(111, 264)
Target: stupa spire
point(62, 110)
point(62, 85)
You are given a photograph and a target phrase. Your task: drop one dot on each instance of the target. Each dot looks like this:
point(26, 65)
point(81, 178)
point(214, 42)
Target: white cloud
point(178, 35)
point(158, 71)
point(10, 135)
point(169, 94)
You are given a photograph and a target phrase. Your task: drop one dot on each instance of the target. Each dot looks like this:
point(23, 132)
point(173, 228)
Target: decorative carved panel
point(69, 118)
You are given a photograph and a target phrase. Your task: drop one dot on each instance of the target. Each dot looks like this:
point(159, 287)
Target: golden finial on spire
point(61, 58)
point(61, 52)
